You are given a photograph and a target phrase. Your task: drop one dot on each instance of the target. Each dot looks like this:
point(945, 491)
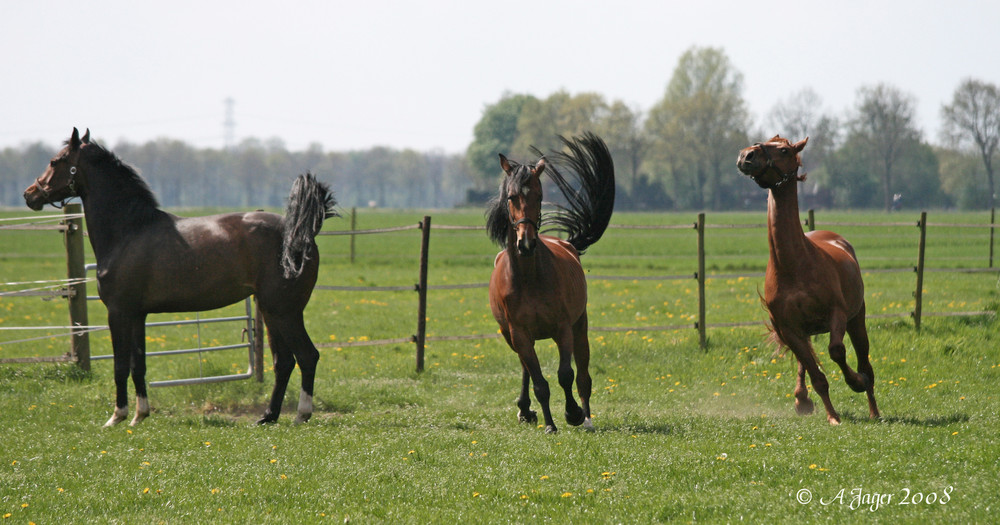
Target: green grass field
point(682, 435)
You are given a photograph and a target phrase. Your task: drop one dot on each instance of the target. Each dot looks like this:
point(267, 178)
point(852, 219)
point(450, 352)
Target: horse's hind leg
point(307, 356)
point(581, 353)
point(574, 414)
point(859, 338)
point(284, 363)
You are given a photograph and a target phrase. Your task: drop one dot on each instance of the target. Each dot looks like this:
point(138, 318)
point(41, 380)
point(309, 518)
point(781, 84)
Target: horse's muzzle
point(34, 198)
point(525, 246)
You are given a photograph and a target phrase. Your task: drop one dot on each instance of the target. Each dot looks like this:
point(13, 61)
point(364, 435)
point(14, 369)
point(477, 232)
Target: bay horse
point(151, 261)
point(537, 289)
point(813, 281)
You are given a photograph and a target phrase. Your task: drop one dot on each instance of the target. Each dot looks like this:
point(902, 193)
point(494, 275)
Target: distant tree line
point(678, 154)
point(256, 174)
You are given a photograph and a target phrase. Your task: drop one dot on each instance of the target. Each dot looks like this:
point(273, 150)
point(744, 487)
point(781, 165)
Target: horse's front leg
point(574, 414)
point(139, 370)
point(838, 352)
point(121, 327)
point(524, 412)
point(524, 345)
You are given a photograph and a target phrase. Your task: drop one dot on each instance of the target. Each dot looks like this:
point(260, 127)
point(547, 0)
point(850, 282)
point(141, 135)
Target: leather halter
point(47, 193)
point(785, 177)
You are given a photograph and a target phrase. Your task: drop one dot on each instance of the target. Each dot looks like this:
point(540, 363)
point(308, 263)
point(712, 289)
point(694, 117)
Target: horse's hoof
point(267, 420)
point(804, 406)
point(834, 421)
point(117, 416)
point(588, 425)
point(551, 429)
point(302, 418)
point(575, 417)
point(529, 416)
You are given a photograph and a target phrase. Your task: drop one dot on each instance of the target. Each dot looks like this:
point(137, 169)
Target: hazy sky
point(418, 74)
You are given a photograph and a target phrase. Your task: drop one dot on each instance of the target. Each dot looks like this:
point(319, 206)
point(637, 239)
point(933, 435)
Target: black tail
point(589, 206)
point(309, 203)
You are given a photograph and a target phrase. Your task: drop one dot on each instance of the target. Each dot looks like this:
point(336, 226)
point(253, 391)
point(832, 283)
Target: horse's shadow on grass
point(928, 422)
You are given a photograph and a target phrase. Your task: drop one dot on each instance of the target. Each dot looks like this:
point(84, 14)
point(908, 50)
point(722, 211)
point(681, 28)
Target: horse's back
point(219, 258)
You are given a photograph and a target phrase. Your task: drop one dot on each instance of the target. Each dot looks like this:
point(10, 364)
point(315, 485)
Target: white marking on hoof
point(305, 408)
point(588, 425)
point(141, 410)
point(117, 416)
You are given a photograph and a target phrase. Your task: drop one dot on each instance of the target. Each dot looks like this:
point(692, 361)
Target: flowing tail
point(589, 207)
point(309, 203)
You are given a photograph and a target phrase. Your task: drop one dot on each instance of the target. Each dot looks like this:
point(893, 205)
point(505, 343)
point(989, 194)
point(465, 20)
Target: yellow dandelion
point(5, 516)
point(145, 490)
point(284, 476)
point(524, 496)
point(813, 466)
point(274, 461)
point(24, 505)
point(543, 478)
point(567, 494)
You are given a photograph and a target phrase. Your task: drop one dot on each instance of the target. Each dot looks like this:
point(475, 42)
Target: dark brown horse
point(813, 281)
point(151, 261)
point(538, 290)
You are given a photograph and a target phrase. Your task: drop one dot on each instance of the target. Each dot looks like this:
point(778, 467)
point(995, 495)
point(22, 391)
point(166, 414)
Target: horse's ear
point(504, 164)
point(74, 139)
point(798, 146)
point(539, 167)
point(86, 137)
point(775, 138)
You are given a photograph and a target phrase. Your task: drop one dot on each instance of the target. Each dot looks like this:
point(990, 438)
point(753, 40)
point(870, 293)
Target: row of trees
point(259, 174)
point(681, 152)
point(678, 154)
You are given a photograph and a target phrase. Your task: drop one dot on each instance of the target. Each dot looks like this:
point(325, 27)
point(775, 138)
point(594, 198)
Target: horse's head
point(773, 163)
point(522, 191)
point(60, 180)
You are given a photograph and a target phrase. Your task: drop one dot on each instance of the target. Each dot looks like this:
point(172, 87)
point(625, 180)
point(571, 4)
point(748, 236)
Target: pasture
point(682, 435)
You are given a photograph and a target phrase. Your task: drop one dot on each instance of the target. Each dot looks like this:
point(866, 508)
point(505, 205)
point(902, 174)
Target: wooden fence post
point(700, 275)
point(919, 292)
point(354, 218)
point(993, 216)
point(811, 221)
point(421, 337)
point(77, 288)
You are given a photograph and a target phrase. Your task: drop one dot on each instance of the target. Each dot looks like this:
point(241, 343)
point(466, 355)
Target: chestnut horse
point(538, 290)
point(151, 261)
point(813, 281)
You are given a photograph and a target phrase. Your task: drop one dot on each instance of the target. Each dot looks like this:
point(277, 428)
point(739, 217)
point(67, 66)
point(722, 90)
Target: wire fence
point(78, 329)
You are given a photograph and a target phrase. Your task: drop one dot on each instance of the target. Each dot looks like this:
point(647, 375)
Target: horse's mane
point(131, 189)
point(589, 205)
point(590, 201)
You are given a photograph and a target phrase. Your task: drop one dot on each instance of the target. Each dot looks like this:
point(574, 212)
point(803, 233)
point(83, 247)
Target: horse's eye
point(784, 151)
point(52, 163)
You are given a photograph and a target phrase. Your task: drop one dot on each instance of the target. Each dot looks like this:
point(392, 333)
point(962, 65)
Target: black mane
point(131, 191)
point(590, 197)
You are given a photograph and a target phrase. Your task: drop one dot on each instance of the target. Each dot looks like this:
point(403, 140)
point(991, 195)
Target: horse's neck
point(787, 241)
point(111, 215)
point(524, 270)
